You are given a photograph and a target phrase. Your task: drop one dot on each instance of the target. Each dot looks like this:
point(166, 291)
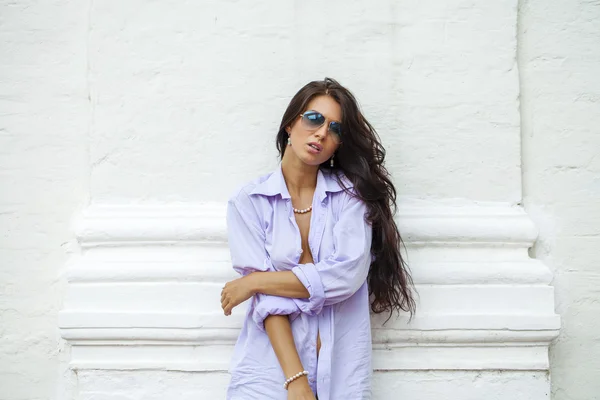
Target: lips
point(315, 147)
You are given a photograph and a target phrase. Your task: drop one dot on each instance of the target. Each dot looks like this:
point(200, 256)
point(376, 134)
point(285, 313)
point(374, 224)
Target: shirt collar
point(275, 184)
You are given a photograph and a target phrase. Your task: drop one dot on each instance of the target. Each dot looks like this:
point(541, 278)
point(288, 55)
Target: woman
point(313, 240)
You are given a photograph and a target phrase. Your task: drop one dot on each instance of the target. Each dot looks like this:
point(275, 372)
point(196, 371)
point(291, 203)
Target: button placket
point(316, 239)
point(296, 229)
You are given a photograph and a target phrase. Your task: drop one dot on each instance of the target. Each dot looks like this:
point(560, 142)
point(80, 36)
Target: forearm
point(278, 283)
point(280, 334)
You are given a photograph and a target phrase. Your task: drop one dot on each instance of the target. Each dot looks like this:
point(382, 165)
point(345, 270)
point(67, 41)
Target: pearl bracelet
point(293, 378)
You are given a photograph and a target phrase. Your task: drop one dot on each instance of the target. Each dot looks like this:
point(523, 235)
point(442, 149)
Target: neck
point(299, 176)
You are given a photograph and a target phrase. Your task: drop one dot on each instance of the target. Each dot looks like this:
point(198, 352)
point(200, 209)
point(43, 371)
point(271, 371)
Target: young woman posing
point(318, 248)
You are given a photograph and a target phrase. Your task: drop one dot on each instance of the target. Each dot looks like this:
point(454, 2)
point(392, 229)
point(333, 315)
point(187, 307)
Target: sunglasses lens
point(313, 119)
point(336, 128)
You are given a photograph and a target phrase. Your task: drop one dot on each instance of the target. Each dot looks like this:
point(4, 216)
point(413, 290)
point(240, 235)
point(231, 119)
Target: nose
point(322, 131)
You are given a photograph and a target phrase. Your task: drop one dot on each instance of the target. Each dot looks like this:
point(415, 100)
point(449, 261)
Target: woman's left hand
point(235, 293)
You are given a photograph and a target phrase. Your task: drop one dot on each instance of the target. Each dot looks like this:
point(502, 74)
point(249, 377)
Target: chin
point(313, 163)
point(310, 159)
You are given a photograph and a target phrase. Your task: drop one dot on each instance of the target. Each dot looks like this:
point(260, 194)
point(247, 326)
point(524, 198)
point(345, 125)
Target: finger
point(232, 304)
point(229, 307)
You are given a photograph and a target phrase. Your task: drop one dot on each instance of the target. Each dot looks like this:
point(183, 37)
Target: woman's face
point(313, 145)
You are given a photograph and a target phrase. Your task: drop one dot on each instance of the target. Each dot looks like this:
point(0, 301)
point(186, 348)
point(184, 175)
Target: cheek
point(330, 149)
point(297, 133)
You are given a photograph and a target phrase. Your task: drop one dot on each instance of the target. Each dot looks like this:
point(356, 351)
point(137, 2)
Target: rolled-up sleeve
point(339, 276)
point(266, 305)
point(246, 240)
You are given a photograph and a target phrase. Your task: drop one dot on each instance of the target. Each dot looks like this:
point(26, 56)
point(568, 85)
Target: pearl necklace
point(302, 211)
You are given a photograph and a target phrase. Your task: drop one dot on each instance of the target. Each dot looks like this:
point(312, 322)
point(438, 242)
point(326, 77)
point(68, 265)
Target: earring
point(289, 141)
point(331, 161)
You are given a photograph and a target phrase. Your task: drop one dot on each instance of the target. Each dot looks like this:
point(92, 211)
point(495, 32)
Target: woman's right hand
point(300, 390)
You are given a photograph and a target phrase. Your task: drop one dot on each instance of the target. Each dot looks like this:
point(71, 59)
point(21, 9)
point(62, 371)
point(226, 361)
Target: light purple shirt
point(264, 236)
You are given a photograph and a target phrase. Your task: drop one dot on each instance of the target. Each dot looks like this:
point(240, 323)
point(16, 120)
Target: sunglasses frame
point(339, 136)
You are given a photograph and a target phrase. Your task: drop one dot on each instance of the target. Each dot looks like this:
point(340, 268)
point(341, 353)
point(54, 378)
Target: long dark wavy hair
point(360, 157)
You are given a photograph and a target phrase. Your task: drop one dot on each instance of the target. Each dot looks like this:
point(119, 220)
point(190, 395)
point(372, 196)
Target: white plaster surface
point(467, 385)
point(44, 177)
point(166, 103)
point(559, 59)
point(175, 84)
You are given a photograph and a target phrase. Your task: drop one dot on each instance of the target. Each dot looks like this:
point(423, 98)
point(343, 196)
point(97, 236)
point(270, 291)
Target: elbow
point(310, 278)
point(243, 270)
point(350, 282)
point(333, 281)
point(246, 268)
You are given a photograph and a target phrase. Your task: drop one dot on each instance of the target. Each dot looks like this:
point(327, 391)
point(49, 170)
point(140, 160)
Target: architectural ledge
point(143, 292)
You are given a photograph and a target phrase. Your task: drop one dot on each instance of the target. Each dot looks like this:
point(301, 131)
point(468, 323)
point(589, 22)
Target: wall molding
point(143, 291)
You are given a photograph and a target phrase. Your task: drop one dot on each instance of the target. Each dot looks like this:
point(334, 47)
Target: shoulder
point(242, 193)
point(340, 187)
point(337, 182)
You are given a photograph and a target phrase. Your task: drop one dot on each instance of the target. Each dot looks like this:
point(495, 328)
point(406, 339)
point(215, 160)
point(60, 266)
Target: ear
point(288, 129)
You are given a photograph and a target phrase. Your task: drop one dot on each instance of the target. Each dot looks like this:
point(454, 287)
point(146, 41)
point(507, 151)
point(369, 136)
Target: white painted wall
point(560, 72)
point(150, 113)
point(44, 181)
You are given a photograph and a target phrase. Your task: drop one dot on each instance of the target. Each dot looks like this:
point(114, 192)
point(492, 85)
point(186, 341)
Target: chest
point(303, 223)
point(292, 238)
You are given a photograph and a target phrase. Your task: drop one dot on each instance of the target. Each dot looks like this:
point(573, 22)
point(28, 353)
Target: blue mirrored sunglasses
point(313, 120)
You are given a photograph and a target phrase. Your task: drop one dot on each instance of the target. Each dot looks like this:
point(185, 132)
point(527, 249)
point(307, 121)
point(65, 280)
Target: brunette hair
point(360, 157)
